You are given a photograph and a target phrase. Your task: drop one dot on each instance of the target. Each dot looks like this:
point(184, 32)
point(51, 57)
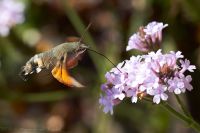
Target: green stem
point(182, 106)
point(188, 119)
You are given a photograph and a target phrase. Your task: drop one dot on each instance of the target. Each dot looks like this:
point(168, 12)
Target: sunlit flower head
point(154, 75)
point(148, 38)
point(12, 12)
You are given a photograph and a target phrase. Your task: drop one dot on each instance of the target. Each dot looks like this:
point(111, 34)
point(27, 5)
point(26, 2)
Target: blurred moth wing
point(60, 73)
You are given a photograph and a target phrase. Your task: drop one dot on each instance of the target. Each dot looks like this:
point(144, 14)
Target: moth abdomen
point(34, 65)
point(27, 70)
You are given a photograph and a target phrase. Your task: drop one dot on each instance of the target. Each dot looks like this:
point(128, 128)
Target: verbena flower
point(12, 12)
point(148, 38)
point(154, 74)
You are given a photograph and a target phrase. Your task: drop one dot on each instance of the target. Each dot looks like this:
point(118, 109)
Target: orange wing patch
point(61, 74)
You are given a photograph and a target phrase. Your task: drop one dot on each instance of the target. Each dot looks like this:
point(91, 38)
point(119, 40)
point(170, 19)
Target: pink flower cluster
point(154, 75)
point(147, 38)
point(11, 14)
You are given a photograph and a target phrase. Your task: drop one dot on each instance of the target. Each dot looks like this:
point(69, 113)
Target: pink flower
point(159, 94)
point(186, 66)
point(147, 38)
point(12, 12)
point(132, 93)
point(153, 31)
point(106, 101)
point(179, 85)
point(154, 74)
point(137, 42)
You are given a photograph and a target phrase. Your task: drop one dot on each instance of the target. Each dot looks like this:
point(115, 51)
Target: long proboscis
point(104, 57)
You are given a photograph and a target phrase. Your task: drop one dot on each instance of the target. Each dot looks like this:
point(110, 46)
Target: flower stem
point(182, 106)
point(188, 119)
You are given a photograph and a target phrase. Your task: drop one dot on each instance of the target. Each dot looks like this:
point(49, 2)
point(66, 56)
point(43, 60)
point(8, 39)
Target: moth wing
point(60, 73)
point(57, 73)
point(72, 60)
point(70, 81)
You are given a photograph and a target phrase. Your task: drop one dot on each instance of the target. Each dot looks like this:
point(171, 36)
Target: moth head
point(81, 48)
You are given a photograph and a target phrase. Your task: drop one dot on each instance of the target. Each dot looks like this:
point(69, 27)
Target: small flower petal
point(156, 99)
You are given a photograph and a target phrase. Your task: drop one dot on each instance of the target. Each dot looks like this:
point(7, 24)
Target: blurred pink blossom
point(147, 38)
point(12, 12)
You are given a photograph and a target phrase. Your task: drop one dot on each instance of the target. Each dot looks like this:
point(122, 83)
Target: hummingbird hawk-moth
point(62, 57)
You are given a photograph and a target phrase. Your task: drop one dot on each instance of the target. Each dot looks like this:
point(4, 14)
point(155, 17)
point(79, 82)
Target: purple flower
point(147, 38)
point(106, 101)
point(132, 93)
point(187, 81)
point(137, 42)
point(179, 85)
point(186, 66)
point(153, 32)
point(11, 14)
point(158, 93)
point(154, 74)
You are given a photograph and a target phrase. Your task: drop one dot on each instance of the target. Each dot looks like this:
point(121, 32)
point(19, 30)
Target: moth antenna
point(105, 57)
point(83, 34)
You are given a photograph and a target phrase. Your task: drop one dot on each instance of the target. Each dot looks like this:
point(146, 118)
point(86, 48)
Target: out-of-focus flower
point(12, 12)
point(148, 38)
point(154, 74)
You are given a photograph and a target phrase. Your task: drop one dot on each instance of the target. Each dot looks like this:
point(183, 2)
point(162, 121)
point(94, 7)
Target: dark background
point(42, 104)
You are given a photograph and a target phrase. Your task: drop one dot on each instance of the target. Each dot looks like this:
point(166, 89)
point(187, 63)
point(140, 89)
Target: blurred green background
point(42, 104)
